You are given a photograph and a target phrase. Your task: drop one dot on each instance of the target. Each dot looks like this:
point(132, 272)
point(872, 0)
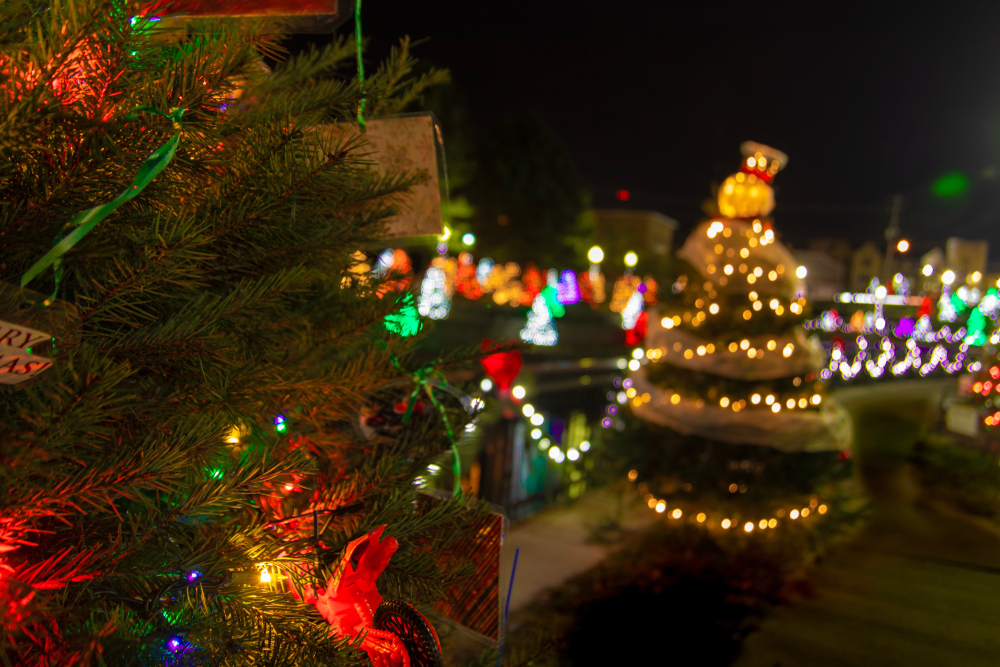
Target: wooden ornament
point(17, 364)
point(409, 143)
point(29, 331)
point(256, 7)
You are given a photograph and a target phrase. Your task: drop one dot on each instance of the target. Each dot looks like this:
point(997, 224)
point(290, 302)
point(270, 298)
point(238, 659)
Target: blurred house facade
point(825, 277)
point(858, 266)
point(966, 257)
point(645, 232)
point(866, 263)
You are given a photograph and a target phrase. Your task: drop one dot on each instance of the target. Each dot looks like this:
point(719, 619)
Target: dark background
point(656, 97)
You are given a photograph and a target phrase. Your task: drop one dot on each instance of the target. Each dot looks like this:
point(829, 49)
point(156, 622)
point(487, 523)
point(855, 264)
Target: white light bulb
point(486, 384)
point(801, 272)
point(595, 254)
point(518, 392)
point(537, 419)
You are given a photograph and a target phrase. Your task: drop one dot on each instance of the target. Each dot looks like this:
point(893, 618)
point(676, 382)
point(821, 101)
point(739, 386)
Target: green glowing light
point(216, 474)
point(280, 427)
point(951, 185)
point(405, 321)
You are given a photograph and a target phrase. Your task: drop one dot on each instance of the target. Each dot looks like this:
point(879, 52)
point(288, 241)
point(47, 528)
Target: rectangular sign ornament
point(409, 143)
point(17, 363)
point(253, 7)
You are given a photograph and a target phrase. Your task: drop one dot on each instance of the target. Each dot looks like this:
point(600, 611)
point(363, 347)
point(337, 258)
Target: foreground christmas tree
point(189, 481)
point(728, 359)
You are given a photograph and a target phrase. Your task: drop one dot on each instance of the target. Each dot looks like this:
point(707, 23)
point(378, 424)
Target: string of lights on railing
point(876, 366)
point(659, 506)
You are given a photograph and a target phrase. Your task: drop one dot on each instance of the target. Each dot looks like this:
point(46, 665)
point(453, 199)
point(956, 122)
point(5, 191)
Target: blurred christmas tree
point(729, 361)
point(194, 452)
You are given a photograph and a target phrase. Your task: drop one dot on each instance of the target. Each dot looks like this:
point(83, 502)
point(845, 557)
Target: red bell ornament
point(502, 367)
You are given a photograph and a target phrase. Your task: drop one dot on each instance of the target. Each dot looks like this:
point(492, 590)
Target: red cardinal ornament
point(395, 633)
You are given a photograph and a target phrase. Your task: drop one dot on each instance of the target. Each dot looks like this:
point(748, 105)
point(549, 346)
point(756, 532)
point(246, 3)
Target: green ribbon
point(361, 64)
point(87, 220)
point(420, 382)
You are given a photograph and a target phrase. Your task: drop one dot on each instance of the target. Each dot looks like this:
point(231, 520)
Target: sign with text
point(17, 363)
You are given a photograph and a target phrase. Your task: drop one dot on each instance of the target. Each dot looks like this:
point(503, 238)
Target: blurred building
point(936, 260)
point(622, 230)
point(825, 275)
point(866, 263)
point(838, 249)
point(966, 257)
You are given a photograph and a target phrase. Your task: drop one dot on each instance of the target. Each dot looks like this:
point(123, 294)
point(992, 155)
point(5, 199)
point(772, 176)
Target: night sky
point(656, 97)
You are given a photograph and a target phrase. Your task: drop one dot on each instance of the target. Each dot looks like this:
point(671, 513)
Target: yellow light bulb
point(265, 576)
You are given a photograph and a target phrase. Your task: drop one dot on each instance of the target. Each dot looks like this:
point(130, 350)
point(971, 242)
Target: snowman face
point(745, 196)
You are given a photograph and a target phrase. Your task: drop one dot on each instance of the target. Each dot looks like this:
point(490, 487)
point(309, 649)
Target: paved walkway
point(920, 585)
point(555, 544)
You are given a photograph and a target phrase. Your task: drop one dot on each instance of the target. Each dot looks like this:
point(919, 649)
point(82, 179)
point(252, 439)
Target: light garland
point(876, 367)
point(905, 328)
point(659, 506)
point(657, 354)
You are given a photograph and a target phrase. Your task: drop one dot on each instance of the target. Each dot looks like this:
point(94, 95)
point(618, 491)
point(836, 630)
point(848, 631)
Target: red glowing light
point(623, 195)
